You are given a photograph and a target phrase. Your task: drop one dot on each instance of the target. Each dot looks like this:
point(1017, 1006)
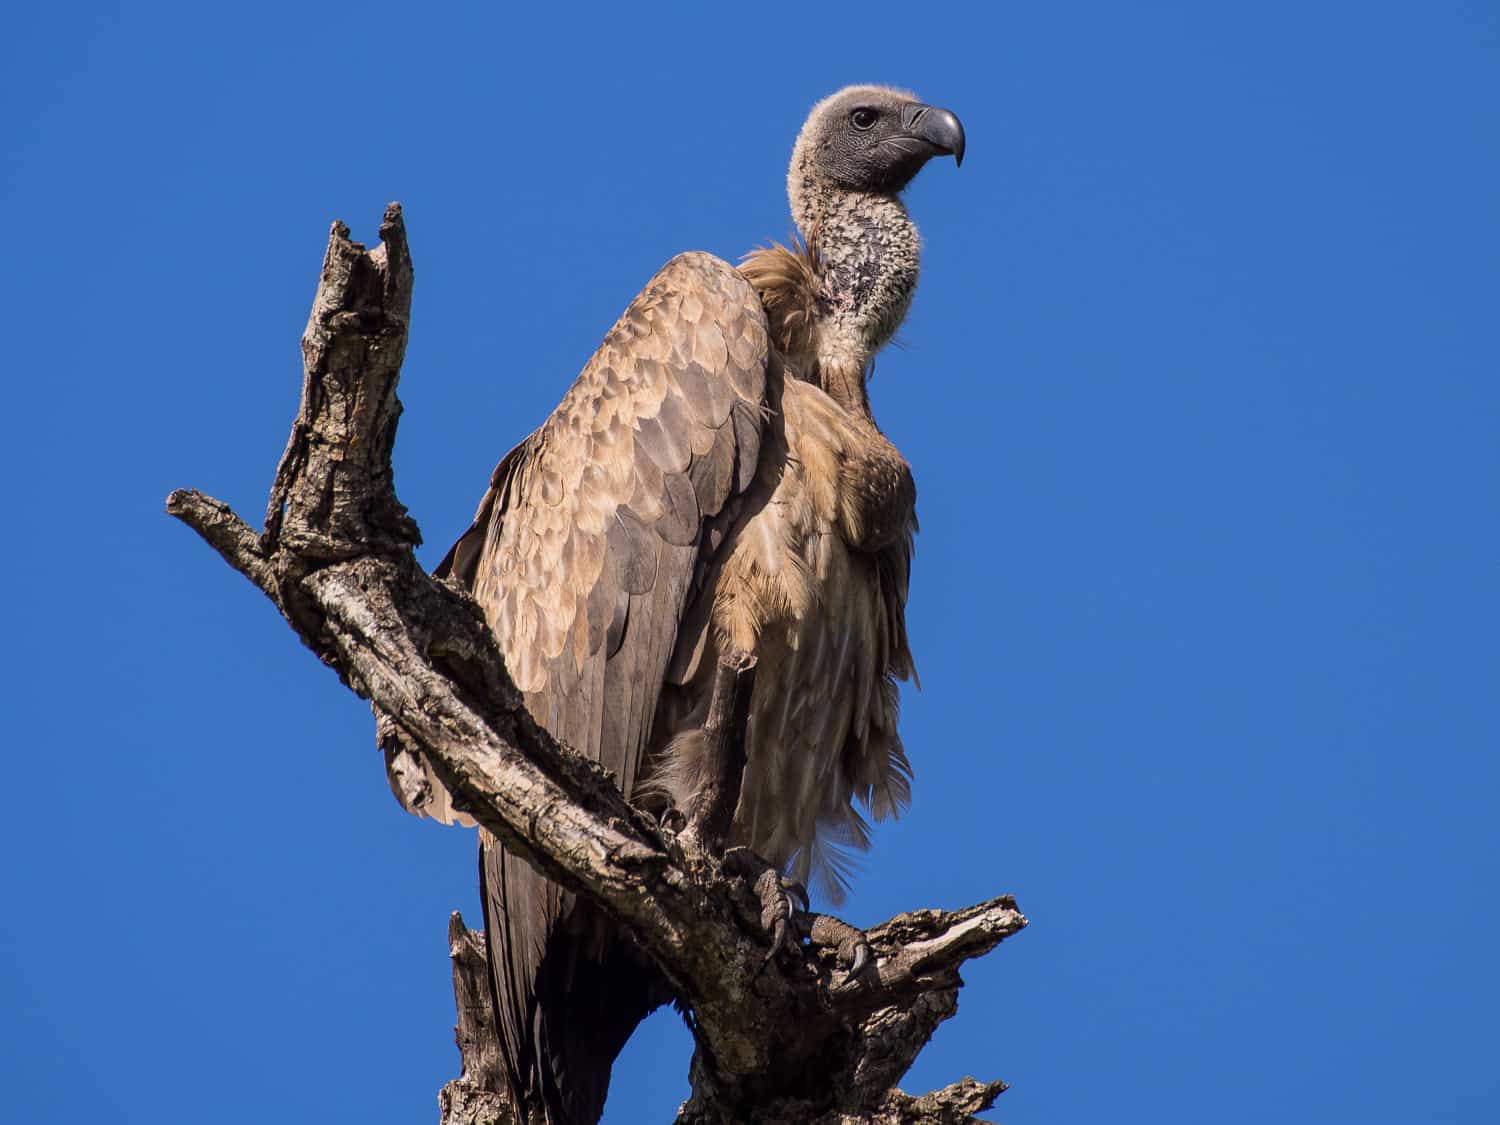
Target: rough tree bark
point(791, 1041)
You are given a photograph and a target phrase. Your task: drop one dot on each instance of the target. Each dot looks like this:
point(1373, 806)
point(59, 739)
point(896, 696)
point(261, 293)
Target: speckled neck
point(870, 254)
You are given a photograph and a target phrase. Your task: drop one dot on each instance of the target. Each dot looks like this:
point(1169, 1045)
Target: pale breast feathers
point(805, 584)
point(824, 739)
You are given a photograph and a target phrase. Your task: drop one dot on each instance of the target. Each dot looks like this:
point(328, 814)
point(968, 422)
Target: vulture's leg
point(711, 813)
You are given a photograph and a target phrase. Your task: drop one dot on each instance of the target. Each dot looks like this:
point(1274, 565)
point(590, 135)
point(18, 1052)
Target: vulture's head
point(870, 139)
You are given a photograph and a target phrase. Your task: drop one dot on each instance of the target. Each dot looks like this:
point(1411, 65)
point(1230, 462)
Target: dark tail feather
point(568, 989)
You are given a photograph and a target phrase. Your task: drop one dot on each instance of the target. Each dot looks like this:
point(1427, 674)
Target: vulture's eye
point(863, 118)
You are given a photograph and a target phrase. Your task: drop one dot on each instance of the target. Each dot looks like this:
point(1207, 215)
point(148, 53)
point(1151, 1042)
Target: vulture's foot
point(779, 898)
point(789, 920)
point(672, 820)
point(850, 943)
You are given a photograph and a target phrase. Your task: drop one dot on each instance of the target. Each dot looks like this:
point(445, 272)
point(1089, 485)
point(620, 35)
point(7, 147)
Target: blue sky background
point(1201, 393)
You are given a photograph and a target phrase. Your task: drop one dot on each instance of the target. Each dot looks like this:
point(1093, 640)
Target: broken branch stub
point(334, 495)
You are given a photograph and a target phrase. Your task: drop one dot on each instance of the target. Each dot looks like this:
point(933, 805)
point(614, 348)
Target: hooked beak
point(937, 127)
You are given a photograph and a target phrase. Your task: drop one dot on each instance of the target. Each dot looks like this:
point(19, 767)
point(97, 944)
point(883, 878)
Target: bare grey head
point(856, 153)
point(866, 140)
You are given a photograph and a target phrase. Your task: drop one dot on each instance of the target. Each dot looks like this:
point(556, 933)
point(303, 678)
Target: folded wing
point(583, 555)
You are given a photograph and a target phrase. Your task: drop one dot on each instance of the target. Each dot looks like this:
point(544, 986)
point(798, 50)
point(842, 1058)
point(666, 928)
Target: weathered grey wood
point(475, 1097)
point(791, 1041)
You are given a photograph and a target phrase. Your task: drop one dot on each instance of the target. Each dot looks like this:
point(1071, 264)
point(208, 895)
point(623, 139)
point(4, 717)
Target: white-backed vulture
point(713, 487)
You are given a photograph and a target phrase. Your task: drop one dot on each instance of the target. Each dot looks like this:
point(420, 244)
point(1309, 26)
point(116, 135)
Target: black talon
point(861, 959)
point(792, 887)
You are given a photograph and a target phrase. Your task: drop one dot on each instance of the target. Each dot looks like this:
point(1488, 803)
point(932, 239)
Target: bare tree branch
point(795, 1040)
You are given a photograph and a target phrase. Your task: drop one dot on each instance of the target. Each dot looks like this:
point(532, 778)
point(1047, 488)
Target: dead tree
point(793, 1040)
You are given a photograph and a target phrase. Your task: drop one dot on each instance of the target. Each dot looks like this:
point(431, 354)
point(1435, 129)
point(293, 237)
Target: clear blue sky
point(1201, 388)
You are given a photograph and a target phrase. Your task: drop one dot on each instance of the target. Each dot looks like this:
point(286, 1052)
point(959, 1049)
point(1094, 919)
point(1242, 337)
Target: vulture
point(712, 491)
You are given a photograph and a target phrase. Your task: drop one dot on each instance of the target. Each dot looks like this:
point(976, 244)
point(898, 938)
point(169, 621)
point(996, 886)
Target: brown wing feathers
point(582, 555)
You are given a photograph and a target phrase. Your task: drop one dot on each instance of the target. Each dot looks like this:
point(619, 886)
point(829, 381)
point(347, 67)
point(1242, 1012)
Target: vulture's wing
point(583, 555)
point(585, 545)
